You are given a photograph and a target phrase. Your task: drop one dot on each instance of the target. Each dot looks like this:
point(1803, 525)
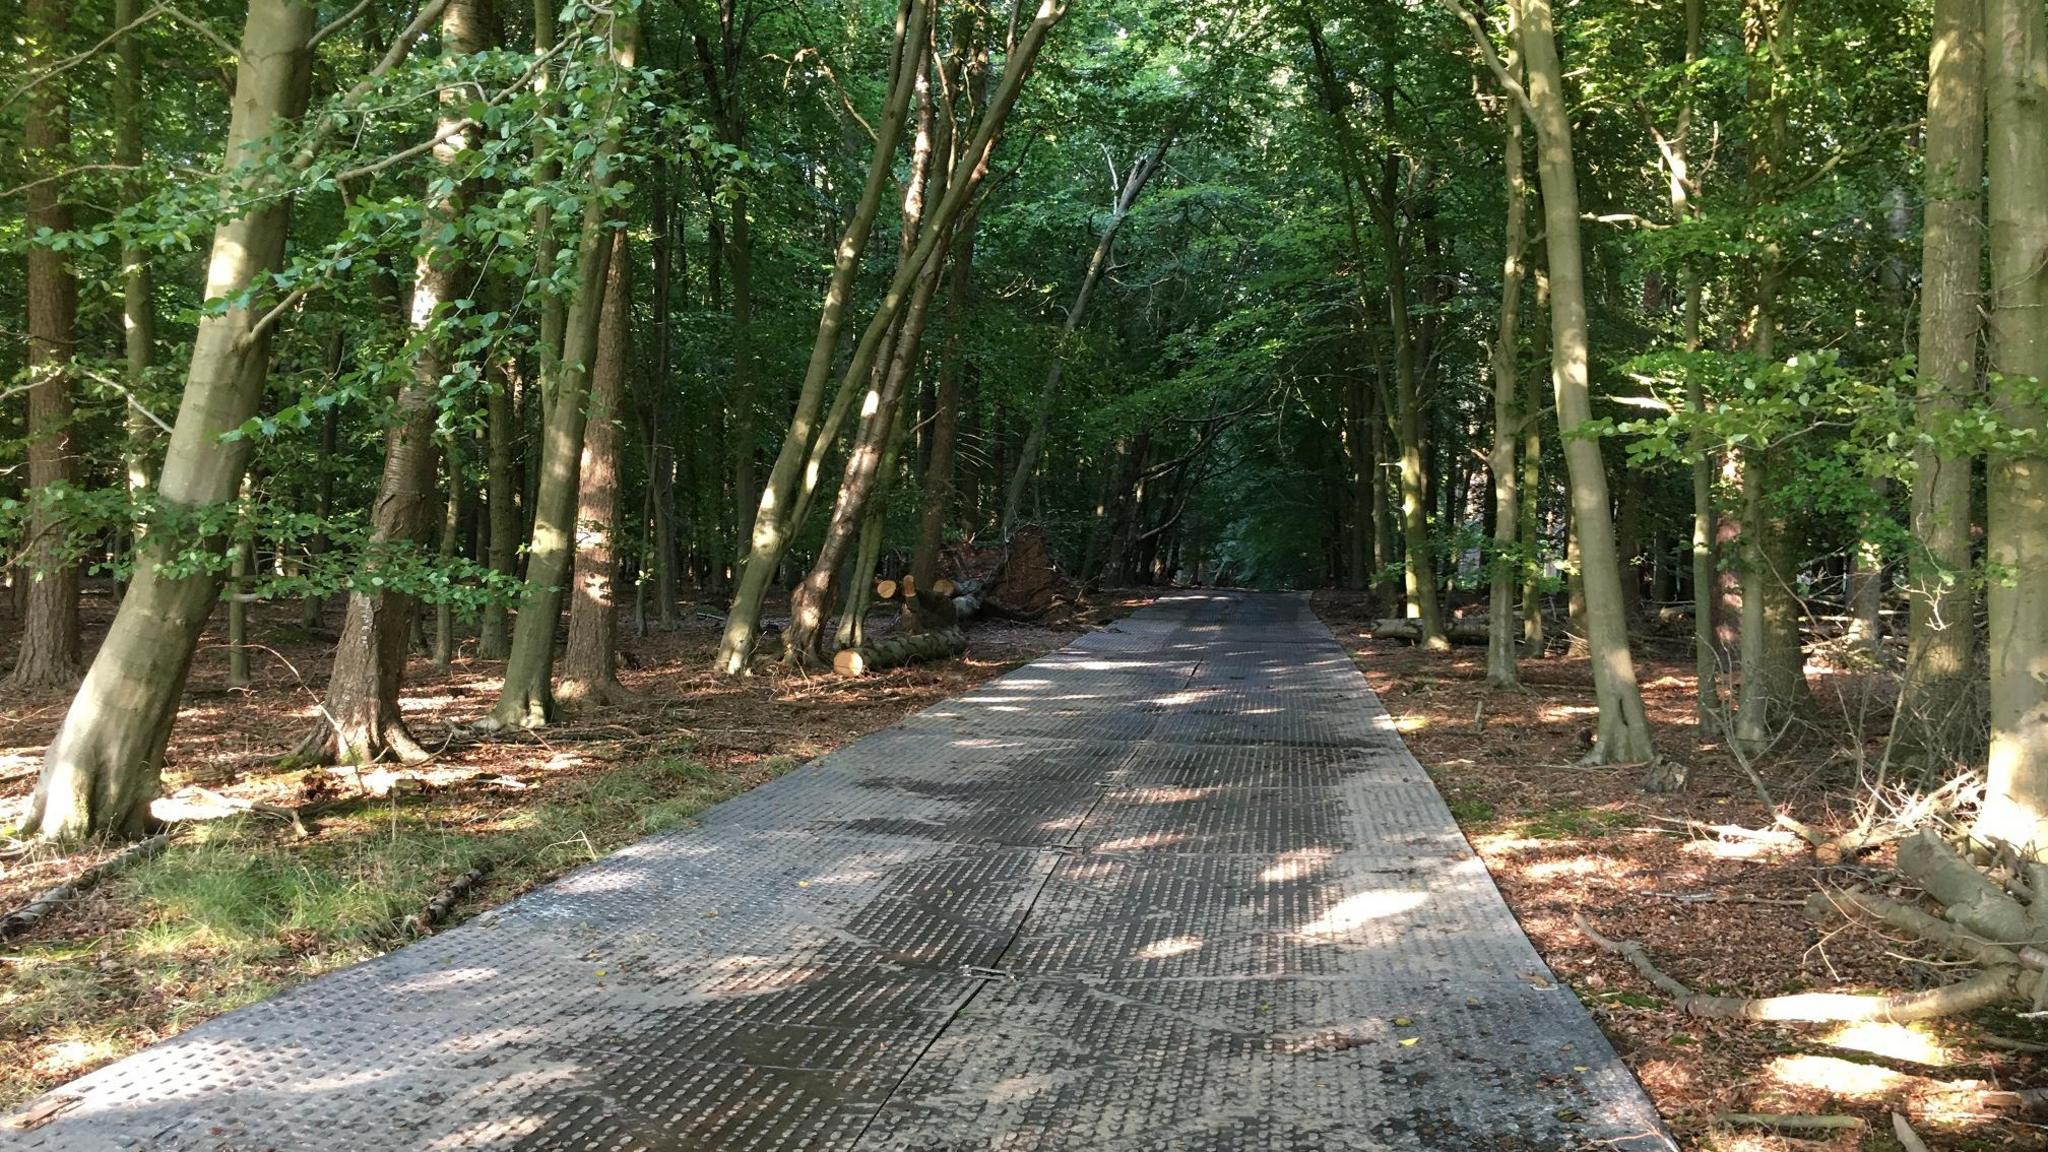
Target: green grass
point(1572, 824)
point(238, 909)
point(1472, 811)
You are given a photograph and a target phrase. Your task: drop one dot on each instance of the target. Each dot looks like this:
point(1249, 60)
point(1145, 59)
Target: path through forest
point(1176, 885)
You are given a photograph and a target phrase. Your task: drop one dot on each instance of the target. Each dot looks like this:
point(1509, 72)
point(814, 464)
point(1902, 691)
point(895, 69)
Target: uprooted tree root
point(1991, 916)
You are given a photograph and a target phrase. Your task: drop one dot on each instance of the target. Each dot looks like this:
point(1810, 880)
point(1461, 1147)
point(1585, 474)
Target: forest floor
point(242, 904)
point(1719, 912)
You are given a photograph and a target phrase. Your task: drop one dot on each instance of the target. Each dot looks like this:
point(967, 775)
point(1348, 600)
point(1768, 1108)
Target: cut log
point(885, 589)
point(907, 586)
point(900, 648)
point(1404, 628)
point(29, 915)
point(944, 587)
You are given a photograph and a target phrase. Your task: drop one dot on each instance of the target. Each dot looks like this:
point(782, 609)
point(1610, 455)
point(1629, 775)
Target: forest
point(394, 387)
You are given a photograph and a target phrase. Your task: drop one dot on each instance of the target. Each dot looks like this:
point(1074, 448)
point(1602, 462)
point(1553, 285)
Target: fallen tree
point(1471, 631)
point(899, 648)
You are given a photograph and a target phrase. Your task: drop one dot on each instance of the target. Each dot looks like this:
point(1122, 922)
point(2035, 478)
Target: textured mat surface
point(1177, 886)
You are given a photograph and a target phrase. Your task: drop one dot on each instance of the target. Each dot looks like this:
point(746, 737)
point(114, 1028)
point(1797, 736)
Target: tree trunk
point(138, 303)
point(361, 722)
point(452, 507)
point(1140, 174)
point(527, 698)
point(2015, 808)
point(852, 631)
point(939, 466)
point(1935, 713)
point(1533, 639)
point(590, 662)
point(772, 525)
point(494, 636)
point(1624, 729)
point(1507, 516)
point(863, 475)
point(102, 769)
point(49, 656)
point(780, 513)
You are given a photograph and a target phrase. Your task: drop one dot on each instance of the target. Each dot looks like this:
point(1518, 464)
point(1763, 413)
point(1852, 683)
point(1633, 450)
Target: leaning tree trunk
point(780, 509)
point(49, 654)
point(1140, 174)
point(1624, 728)
point(1935, 716)
point(2015, 809)
point(772, 524)
point(361, 722)
point(852, 631)
point(1507, 559)
point(527, 698)
point(590, 662)
point(102, 769)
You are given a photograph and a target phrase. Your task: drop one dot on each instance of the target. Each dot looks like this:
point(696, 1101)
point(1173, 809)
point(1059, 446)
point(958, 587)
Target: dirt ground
point(243, 903)
point(1719, 911)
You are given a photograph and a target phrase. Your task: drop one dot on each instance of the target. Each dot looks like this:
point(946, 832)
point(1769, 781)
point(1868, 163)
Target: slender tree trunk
point(1507, 517)
point(1936, 716)
point(860, 584)
point(527, 698)
point(590, 663)
point(138, 303)
point(874, 444)
point(361, 722)
point(780, 511)
point(1357, 497)
point(1533, 639)
point(313, 610)
point(2015, 809)
point(772, 525)
point(241, 565)
point(939, 491)
point(1624, 729)
point(1773, 688)
point(1140, 174)
point(494, 636)
point(49, 656)
point(452, 506)
point(102, 769)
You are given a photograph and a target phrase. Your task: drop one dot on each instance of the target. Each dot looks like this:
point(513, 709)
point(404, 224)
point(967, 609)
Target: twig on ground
point(29, 915)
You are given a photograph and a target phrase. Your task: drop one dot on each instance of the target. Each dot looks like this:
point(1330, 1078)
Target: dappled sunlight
point(1142, 841)
point(1835, 1076)
point(1576, 866)
point(1910, 1042)
point(1355, 912)
point(1564, 713)
point(1164, 795)
point(1405, 724)
point(1297, 864)
point(1170, 947)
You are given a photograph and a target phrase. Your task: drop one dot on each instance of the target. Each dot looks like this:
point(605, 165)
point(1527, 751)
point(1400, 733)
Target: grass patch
point(237, 909)
point(1572, 824)
point(1471, 811)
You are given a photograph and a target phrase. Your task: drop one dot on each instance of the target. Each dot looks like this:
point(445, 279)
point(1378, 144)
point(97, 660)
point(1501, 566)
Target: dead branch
point(444, 901)
point(29, 915)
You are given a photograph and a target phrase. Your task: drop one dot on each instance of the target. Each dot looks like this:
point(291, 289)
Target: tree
point(361, 721)
point(527, 698)
point(590, 662)
point(49, 655)
point(1506, 577)
point(1935, 716)
point(2015, 809)
point(100, 772)
point(1623, 736)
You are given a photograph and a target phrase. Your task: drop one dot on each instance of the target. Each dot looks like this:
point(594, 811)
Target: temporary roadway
point(1176, 886)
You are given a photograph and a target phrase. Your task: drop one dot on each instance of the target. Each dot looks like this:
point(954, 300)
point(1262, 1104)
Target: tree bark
point(780, 510)
point(361, 722)
point(2015, 808)
point(863, 474)
point(1141, 172)
point(453, 503)
point(527, 698)
point(1624, 728)
point(49, 655)
point(494, 636)
point(1935, 715)
point(1507, 557)
point(590, 662)
point(102, 769)
point(1533, 639)
point(138, 303)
